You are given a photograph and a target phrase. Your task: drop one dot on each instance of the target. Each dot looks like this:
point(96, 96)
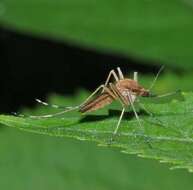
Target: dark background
point(32, 67)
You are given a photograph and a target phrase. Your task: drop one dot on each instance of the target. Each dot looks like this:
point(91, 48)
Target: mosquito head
point(144, 93)
point(147, 93)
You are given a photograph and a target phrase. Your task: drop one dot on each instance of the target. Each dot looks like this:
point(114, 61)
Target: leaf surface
point(167, 136)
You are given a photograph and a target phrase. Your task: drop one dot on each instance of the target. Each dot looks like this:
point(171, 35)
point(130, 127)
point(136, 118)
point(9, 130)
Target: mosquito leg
point(120, 73)
point(150, 113)
point(118, 124)
point(48, 115)
point(103, 87)
point(145, 109)
point(137, 117)
point(134, 110)
point(111, 73)
point(153, 116)
point(51, 105)
point(121, 98)
point(68, 109)
point(135, 76)
point(124, 101)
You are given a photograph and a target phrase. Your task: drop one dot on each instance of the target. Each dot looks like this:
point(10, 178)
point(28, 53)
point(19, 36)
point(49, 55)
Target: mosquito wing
point(96, 103)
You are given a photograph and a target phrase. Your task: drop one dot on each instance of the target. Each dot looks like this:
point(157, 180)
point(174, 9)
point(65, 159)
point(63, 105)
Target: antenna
point(156, 77)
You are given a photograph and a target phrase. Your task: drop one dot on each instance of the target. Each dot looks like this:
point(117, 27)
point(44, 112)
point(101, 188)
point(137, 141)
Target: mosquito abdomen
point(96, 103)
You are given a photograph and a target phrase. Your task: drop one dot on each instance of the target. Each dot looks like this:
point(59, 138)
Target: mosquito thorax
point(129, 85)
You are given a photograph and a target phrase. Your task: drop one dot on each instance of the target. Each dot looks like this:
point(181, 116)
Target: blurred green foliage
point(30, 161)
point(158, 30)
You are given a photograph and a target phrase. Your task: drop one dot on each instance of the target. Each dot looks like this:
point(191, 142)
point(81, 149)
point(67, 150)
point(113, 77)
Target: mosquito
point(124, 90)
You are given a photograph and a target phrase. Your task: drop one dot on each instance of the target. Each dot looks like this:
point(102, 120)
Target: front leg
point(149, 113)
point(111, 73)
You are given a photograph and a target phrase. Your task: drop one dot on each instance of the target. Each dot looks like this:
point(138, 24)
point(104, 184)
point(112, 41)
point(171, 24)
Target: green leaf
point(30, 161)
point(158, 30)
point(167, 136)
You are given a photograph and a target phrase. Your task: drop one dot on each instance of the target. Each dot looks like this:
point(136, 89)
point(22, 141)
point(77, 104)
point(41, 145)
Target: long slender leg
point(121, 98)
point(134, 110)
point(51, 105)
point(153, 117)
point(68, 109)
point(87, 105)
point(135, 76)
point(99, 88)
point(145, 109)
point(115, 96)
point(118, 124)
point(138, 120)
point(149, 113)
point(123, 102)
point(133, 107)
point(120, 73)
point(55, 114)
point(120, 118)
point(111, 73)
